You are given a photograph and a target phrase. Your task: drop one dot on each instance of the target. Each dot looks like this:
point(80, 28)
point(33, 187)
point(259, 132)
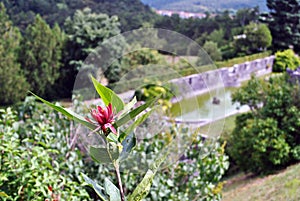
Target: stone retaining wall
point(223, 77)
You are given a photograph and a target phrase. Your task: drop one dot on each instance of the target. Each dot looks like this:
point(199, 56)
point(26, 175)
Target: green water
point(201, 107)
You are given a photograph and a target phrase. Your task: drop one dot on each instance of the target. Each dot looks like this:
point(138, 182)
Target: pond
point(201, 108)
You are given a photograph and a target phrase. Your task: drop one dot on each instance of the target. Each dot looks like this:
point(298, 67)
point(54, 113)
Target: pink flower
point(104, 117)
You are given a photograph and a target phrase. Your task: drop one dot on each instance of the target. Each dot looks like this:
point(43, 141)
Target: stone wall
point(223, 77)
point(294, 75)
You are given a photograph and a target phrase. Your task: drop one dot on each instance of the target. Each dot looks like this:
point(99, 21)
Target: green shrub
point(150, 91)
point(267, 138)
point(195, 176)
point(258, 145)
point(285, 59)
point(33, 159)
point(212, 50)
point(239, 60)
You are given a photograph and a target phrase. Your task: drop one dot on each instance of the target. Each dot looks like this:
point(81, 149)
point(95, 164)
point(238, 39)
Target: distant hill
point(132, 13)
point(205, 5)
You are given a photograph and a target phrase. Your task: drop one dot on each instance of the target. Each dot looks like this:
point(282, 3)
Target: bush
point(33, 161)
point(258, 145)
point(285, 59)
point(267, 138)
point(196, 175)
point(212, 50)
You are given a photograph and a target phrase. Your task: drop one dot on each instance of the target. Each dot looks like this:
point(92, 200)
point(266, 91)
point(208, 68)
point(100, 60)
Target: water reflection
point(202, 108)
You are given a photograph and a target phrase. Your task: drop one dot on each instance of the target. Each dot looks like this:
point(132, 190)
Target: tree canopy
point(12, 80)
point(41, 51)
point(132, 13)
point(285, 23)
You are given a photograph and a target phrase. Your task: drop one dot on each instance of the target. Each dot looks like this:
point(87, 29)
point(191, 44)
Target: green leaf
point(138, 122)
point(128, 107)
point(128, 144)
point(112, 190)
point(112, 137)
point(108, 96)
point(99, 189)
point(143, 188)
point(100, 154)
point(2, 194)
point(134, 113)
point(68, 113)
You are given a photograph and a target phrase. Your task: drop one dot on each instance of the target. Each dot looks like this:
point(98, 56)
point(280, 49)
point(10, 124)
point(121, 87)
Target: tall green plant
point(118, 141)
point(41, 55)
point(284, 23)
point(12, 81)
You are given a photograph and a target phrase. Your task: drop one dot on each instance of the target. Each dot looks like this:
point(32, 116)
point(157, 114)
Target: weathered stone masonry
point(223, 77)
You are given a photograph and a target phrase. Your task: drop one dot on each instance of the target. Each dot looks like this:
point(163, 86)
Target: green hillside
point(132, 13)
point(205, 5)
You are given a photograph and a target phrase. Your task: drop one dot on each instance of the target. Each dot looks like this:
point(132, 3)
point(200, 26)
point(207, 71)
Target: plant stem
point(117, 168)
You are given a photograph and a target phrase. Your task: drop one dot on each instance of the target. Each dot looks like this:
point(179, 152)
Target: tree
point(285, 23)
point(12, 81)
point(212, 50)
point(87, 33)
point(132, 13)
point(217, 36)
point(244, 16)
point(41, 55)
point(255, 38)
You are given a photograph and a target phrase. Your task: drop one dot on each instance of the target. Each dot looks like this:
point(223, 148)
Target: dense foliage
point(40, 56)
point(267, 138)
point(52, 72)
point(31, 138)
point(131, 12)
point(37, 160)
point(284, 21)
point(86, 33)
point(12, 80)
point(212, 50)
point(223, 29)
point(255, 38)
point(196, 176)
point(285, 59)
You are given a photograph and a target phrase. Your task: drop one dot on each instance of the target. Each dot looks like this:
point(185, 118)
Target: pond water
point(201, 108)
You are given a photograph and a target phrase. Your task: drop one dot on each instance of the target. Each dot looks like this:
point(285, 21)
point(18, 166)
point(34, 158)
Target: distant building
point(181, 14)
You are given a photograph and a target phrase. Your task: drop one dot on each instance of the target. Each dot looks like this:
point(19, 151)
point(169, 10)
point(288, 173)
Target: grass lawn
point(283, 186)
point(226, 125)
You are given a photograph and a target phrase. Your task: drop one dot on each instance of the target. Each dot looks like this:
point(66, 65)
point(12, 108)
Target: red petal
point(100, 110)
point(109, 107)
point(94, 114)
point(110, 113)
point(50, 188)
point(100, 119)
